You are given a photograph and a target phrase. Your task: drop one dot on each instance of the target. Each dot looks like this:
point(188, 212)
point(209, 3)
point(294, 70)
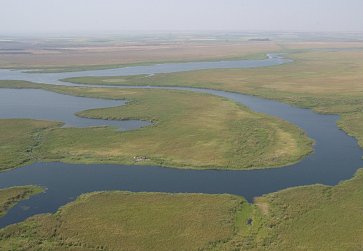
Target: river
point(336, 155)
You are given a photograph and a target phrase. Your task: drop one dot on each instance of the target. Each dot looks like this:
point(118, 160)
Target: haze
point(57, 16)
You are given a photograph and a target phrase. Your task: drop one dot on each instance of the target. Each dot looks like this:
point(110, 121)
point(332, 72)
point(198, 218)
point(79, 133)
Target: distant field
point(81, 55)
point(305, 218)
point(211, 133)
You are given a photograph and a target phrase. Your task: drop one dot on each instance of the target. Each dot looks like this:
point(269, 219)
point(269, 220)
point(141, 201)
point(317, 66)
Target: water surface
point(46, 105)
point(336, 157)
point(53, 78)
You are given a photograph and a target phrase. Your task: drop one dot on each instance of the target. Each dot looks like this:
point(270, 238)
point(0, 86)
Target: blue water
point(45, 105)
point(336, 157)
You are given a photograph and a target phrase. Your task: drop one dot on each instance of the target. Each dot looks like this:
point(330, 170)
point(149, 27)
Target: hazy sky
point(18, 16)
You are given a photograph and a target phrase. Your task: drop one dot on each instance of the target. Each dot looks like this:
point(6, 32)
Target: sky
point(102, 16)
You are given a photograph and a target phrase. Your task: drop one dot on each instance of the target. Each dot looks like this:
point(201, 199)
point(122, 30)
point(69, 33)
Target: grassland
point(129, 221)
point(18, 140)
point(305, 218)
point(10, 196)
point(211, 133)
point(327, 81)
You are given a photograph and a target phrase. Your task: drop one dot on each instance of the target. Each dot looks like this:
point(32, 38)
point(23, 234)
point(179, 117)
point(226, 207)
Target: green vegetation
point(10, 196)
point(129, 221)
point(304, 218)
point(326, 81)
point(307, 218)
point(18, 140)
point(211, 133)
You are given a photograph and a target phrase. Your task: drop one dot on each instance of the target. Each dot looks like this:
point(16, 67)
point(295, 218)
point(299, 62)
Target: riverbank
point(9, 197)
point(212, 133)
point(333, 89)
point(305, 218)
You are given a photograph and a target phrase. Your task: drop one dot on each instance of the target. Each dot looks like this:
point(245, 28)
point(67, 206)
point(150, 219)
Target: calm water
point(45, 105)
point(336, 157)
point(53, 78)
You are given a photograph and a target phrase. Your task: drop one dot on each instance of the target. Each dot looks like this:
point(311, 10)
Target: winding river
point(336, 155)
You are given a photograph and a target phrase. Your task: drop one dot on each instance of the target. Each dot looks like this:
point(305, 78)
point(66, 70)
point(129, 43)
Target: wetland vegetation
point(303, 218)
point(10, 196)
point(210, 133)
point(129, 221)
point(327, 81)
